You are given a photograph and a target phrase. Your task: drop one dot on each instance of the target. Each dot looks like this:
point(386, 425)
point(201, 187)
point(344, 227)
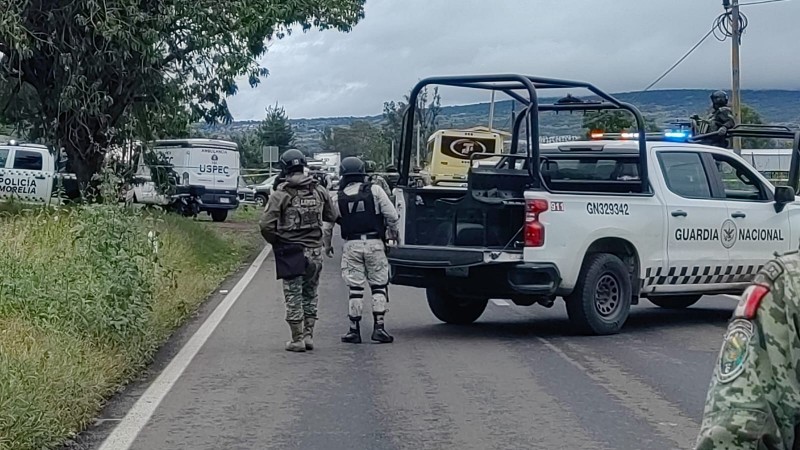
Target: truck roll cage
point(523, 89)
point(761, 131)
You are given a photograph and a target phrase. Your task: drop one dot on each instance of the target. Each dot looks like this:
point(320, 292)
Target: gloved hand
point(329, 252)
point(722, 131)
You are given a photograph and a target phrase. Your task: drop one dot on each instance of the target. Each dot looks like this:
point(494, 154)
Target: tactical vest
point(358, 216)
point(304, 211)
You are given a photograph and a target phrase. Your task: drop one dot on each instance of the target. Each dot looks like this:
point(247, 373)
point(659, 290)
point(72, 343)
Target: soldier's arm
point(330, 211)
point(385, 186)
point(386, 208)
point(327, 227)
point(269, 219)
point(725, 118)
point(754, 395)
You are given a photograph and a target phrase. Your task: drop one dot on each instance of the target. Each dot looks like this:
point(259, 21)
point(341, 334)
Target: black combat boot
point(379, 334)
point(354, 335)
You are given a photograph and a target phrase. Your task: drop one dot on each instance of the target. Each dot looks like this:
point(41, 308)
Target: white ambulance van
point(210, 166)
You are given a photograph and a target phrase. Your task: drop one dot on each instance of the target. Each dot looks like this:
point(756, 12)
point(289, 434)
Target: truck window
point(26, 160)
point(590, 169)
point(738, 181)
point(3, 157)
point(684, 174)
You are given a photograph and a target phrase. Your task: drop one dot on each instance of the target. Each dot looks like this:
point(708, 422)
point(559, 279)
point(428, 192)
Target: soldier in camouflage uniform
point(366, 218)
point(754, 399)
point(720, 121)
point(292, 223)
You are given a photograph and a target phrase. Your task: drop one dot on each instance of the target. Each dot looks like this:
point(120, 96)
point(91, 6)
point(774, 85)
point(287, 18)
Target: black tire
point(601, 301)
point(675, 301)
point(261, 200)
point(218, 215)
point(455, 310)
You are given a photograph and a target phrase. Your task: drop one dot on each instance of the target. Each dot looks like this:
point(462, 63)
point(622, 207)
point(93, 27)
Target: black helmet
point(719, 98)
point(292, 160)
point(352, 166)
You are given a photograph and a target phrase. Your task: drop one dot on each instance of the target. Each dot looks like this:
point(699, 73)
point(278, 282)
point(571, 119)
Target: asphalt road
point(517, 378)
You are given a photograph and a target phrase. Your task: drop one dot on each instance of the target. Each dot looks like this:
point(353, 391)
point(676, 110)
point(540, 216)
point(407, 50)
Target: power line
point(722, 30)
point(674, 66)
point(723, 25)
point(762, 2)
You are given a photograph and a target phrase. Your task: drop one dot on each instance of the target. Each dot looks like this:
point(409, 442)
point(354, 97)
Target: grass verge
point(87, 294)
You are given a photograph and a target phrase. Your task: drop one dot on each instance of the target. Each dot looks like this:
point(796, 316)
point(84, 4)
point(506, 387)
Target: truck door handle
point(679, 213)
point(738, 215)
point(39, 177)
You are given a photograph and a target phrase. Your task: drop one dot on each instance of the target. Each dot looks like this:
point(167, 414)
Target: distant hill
point(775, 106)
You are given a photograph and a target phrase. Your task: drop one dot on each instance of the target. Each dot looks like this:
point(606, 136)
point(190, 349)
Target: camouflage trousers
point(365, 262)
point(301, 293)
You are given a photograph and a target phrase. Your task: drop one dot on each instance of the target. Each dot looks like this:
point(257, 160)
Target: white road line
point(498, 302)
point(132, 424)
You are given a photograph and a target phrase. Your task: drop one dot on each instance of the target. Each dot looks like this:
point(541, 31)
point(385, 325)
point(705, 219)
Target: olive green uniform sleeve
point(753, 402)
point(725, 118)
point(327, 226)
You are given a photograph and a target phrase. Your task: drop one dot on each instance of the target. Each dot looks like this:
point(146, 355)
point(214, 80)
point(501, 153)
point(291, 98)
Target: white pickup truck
point(31, 174)
point(600, 224)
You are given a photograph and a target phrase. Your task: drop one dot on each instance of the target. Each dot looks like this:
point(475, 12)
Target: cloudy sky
point(619, 45)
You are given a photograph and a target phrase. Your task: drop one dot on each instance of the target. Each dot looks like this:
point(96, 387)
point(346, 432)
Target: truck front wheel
point(675, 301)
point(455, 310)
point(601, 301)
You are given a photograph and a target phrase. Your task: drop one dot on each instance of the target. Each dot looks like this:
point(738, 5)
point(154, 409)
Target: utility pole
point(419, 139)
point(736, 94)
point(491, 113)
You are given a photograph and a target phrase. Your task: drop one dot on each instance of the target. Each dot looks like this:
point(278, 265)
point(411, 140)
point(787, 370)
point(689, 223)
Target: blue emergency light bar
point(677, 135)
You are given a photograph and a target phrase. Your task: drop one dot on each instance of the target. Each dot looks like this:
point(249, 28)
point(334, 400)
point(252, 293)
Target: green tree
point(275, 130)
point(250, 150)
point(607, 121)
point(105, 72)
point(361, 139)
point(429, 108)
point(751, 116)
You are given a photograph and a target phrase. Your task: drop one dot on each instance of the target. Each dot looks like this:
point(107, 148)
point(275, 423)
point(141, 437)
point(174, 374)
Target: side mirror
point(783, 195)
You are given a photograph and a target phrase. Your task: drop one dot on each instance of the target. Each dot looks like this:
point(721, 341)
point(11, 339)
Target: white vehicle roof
point(14, 143)
point(197, 143)
point(615, 146)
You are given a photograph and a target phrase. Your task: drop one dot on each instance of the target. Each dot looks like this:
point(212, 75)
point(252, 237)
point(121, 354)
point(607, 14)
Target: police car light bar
point(677, 135)
point(680, 136)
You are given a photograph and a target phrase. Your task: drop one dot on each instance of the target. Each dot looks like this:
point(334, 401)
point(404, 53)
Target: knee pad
point(356, 292)
point(380, 289)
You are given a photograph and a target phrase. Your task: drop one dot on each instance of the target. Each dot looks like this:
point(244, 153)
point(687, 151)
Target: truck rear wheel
point(601, 302)
point(675, 301)
point(455, 310)
point(218, 215)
